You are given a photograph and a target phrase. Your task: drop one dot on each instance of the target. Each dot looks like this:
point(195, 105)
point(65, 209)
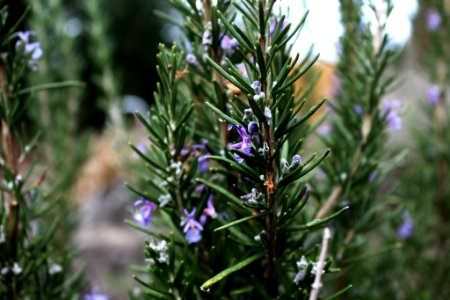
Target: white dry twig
point(317, 284)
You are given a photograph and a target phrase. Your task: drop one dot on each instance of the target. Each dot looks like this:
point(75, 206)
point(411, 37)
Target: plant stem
point(317, 284)
point(270, 184)
point(10, 157)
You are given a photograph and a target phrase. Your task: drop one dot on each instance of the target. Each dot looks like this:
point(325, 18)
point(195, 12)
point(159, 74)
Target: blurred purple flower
point(359, 110)
point(406, 229)
point(273, 26)
point(196, 149)
point(142, 211)
point(241, 67)
point(434, 94)
point(373, 176)
point(209, 210)
point(33, 49)
point(229, 44)
point(95, 296)
point(324, 129)
point(392, 117)
point(192, 228)
point(245, 145)
point(433, 19)
point(191, 59)
point(253, 129)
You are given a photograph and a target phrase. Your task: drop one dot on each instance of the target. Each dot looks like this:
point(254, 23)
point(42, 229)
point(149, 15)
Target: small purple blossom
point(359, 110)
point(273, 27)
point(143, 210)
point(241, 67)
point(256, 86)
point(433, 19)
point(207, 37)
point(192, 228)
point(191, 59)
point(196, 149)
point(253, 129)
point(406, 229)
point(392, 117)
point(95, 296)
point(229, 44)
point(325, 129)
point(433, 94)
point(296, 161)
point(248, 113)
point(209, 210)
point(31, 49)
point(245, 145)
point(373, 176)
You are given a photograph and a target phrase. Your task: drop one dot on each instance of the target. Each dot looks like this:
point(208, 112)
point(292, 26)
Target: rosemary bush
point(224, 182)
point(33, 265)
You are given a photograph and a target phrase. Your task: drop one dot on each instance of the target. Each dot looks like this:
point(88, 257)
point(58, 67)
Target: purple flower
point(325, 129)
point(241, 67)
point(248, 113)
point(191, 59)
point(392, 117)
point(406, 229)
point(31, 49)
point(359, 110)
point(273, 26)
point(373, 176)
point(203, 165)
point(207, 37)
point(256, 86)
point(434, 94)
point(229, 44)
point(296, 161)
point(433, 19)
point(245, 145)
point(253, 129)
point(143, 209)
point(209, 211)
point(192, 228)
point(94, 296)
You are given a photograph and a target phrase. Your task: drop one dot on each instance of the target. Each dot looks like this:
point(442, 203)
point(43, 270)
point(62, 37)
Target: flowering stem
point(317, 284)
point(270, 183)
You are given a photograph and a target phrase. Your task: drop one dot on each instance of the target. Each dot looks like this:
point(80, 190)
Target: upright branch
point(270, 183)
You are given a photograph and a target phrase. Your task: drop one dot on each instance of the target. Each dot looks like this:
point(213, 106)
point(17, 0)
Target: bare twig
point(317, 284)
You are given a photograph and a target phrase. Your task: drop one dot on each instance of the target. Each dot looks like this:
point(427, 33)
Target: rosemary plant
point(224, 181)
point(423, 227)
point(360, 162)
point(32, 265)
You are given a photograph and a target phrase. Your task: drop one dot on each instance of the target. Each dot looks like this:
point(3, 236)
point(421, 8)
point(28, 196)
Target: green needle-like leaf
point(237, 222)
point(230, 270)
point(318, 222)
